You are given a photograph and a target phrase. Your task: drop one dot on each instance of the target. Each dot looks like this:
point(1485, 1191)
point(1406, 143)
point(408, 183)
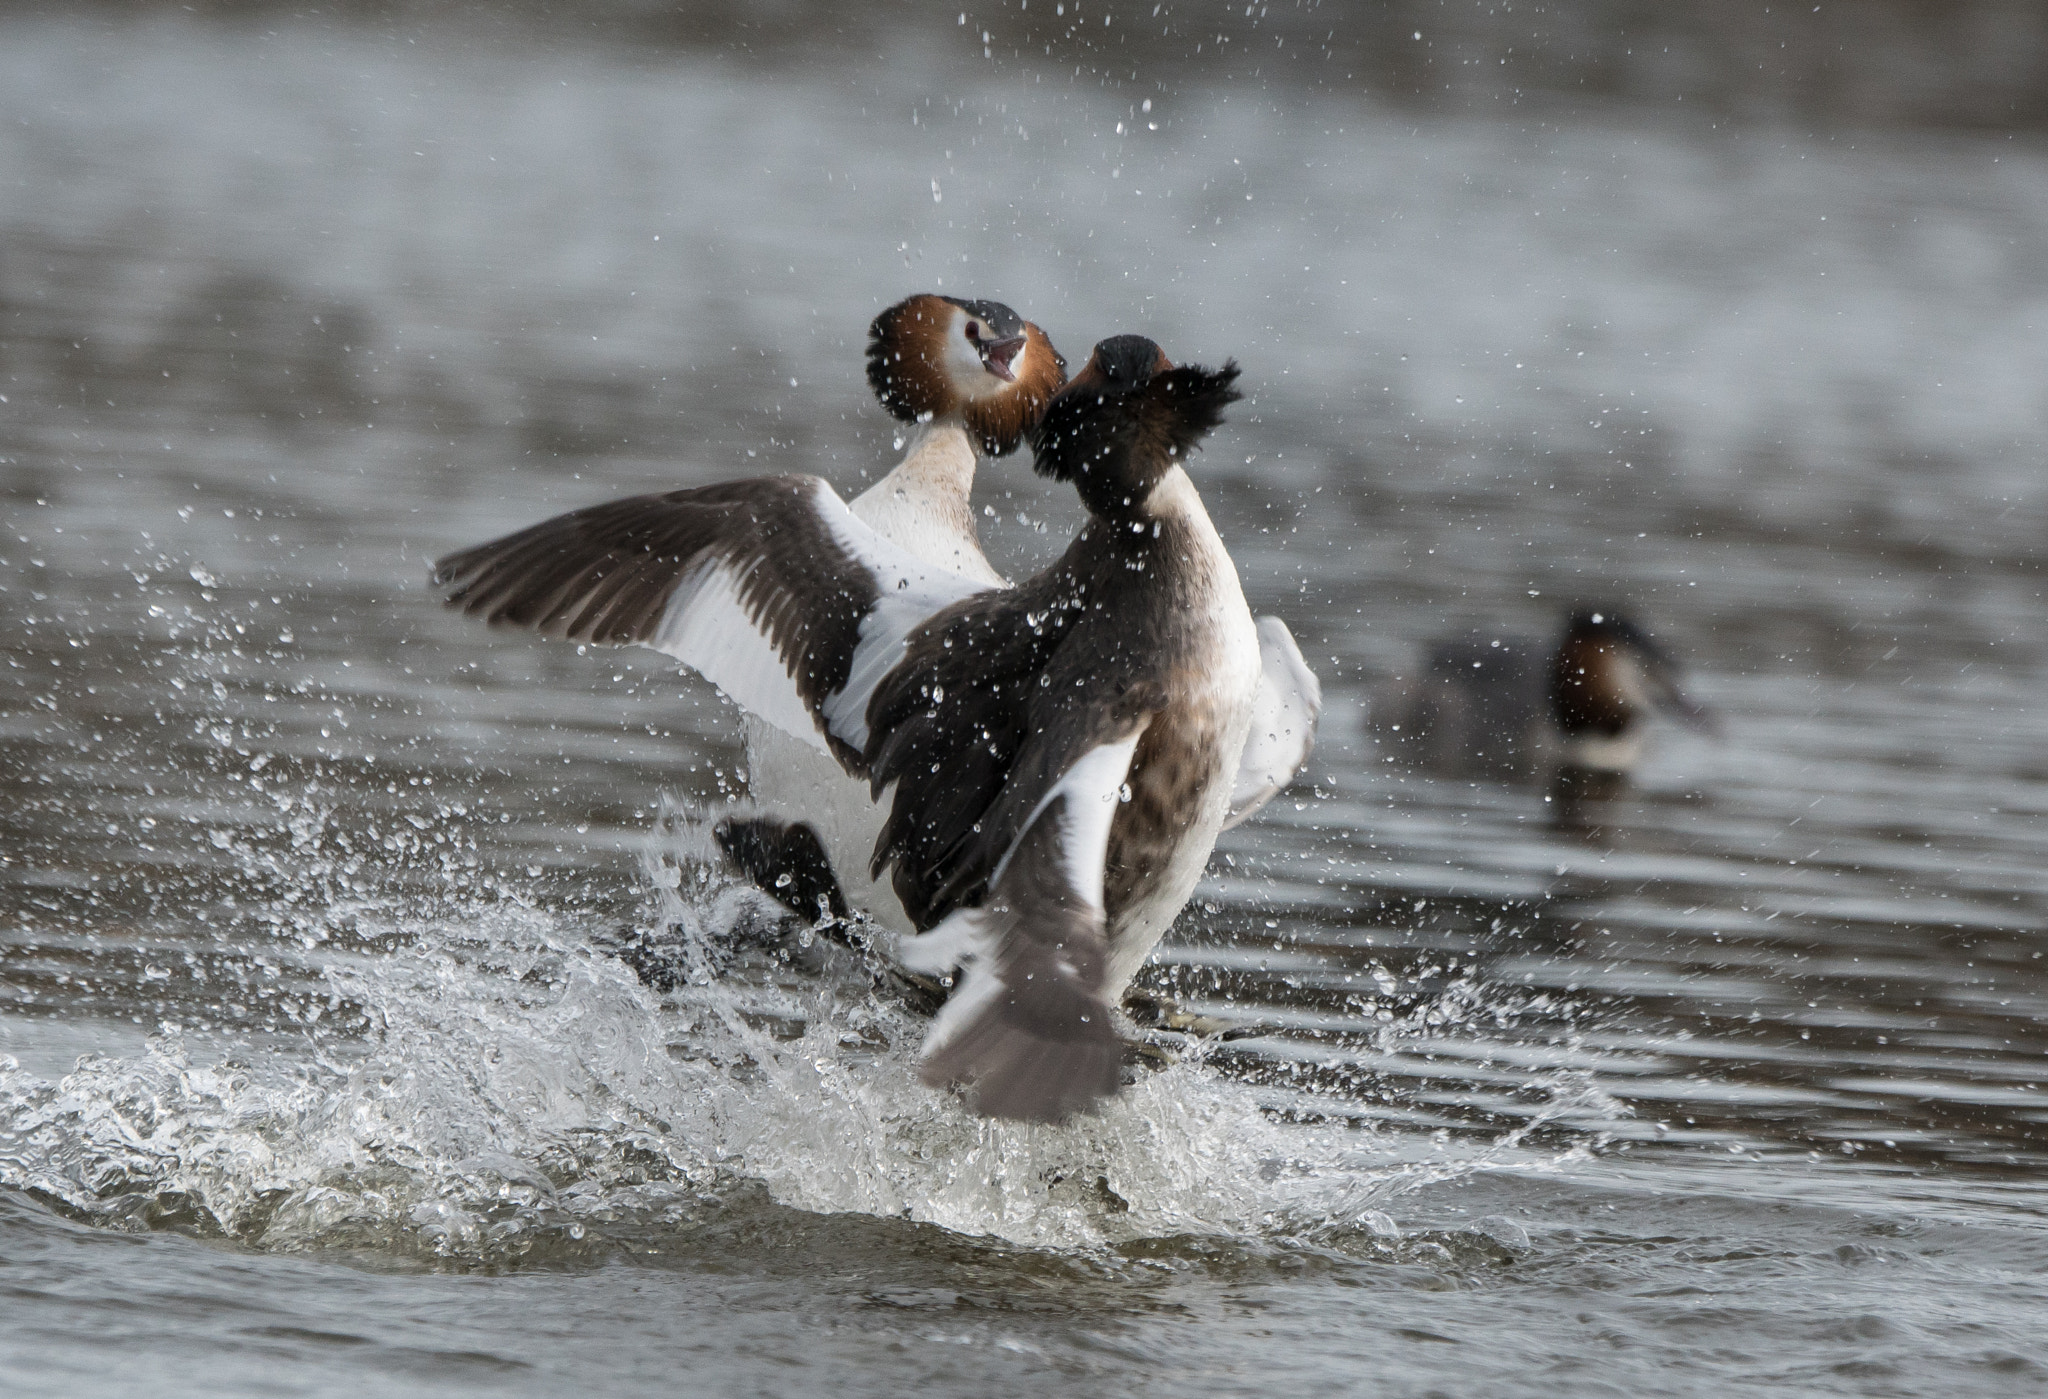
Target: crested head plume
point(1125, 421)
point(904, 367)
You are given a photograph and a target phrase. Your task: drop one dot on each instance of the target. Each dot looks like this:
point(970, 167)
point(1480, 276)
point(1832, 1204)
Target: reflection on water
point(318, 872)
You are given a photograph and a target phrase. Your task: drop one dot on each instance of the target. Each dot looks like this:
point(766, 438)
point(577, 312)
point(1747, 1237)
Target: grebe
point(1057, 758)
point(1518, 707)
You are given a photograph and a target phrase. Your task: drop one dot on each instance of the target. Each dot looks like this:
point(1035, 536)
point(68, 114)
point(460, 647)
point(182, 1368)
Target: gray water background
point(1730, 1085)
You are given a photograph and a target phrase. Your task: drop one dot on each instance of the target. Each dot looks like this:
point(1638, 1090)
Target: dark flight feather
point(1043, 1047)
point(608, 573)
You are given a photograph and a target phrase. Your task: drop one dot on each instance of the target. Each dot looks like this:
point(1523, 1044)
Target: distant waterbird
point(1518, 707)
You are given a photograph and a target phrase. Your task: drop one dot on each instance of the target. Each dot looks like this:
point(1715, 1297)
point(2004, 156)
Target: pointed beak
point(1679, 705)
point(997, 355)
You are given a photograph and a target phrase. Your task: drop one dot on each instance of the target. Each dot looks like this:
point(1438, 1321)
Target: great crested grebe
point(970, 378)
point(939, 362)
point(1057, 758)
point(1489, 704)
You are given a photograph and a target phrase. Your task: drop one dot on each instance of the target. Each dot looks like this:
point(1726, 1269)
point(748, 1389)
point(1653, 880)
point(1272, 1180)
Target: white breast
point(1232, 674)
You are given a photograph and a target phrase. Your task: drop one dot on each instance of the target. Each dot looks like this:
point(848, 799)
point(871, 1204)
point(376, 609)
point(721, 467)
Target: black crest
point(1114, 442)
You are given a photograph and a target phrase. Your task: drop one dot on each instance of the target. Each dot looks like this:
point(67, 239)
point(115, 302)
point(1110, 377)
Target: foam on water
point(516, 1086)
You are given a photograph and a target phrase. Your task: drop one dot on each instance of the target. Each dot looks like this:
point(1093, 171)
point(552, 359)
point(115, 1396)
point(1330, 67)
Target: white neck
point(940, 462)
point(922, 505)
point(1175, 500)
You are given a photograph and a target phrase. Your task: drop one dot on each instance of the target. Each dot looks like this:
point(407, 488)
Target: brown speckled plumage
point(1118, 636)
point(1176, 761)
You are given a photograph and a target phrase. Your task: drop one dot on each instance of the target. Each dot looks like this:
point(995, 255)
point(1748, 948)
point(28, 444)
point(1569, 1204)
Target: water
point(318, 1078)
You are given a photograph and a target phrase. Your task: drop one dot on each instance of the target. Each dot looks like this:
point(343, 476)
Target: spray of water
point(514, 1089)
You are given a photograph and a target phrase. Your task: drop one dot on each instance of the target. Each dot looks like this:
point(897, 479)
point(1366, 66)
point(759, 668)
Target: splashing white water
point(517, 1085)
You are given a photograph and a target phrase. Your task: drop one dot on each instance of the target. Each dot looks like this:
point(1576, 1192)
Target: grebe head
point(933, 358)
point(1129, 417)
point(1609, 671)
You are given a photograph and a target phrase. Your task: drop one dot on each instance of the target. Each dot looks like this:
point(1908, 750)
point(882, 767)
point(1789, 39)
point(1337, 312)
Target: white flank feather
point(1093, 787)
point(707, 627)
point(1283, 731)
point(911, 591)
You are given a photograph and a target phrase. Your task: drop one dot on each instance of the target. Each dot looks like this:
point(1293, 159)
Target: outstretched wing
point(1028, 1027)
point(768, 587)
point(1283, 731)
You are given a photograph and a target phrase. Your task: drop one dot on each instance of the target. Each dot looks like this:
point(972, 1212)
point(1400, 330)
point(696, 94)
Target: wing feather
point(1283, 731)
point(1028, 1027)
point(770, 588)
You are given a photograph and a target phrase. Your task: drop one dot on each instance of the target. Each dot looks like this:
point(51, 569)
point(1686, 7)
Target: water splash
point(514, 1087)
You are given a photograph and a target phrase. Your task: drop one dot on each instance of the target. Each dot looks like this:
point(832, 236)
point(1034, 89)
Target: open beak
point(996, 356)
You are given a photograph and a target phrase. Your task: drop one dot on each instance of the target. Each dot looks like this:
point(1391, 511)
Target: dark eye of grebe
point(974, 330)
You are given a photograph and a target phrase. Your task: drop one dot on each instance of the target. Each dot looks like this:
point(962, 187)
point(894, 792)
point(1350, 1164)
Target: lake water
point(316, 1077)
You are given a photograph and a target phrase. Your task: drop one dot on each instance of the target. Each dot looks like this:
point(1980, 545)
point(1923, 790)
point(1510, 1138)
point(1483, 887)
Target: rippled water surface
point(317, 1076)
